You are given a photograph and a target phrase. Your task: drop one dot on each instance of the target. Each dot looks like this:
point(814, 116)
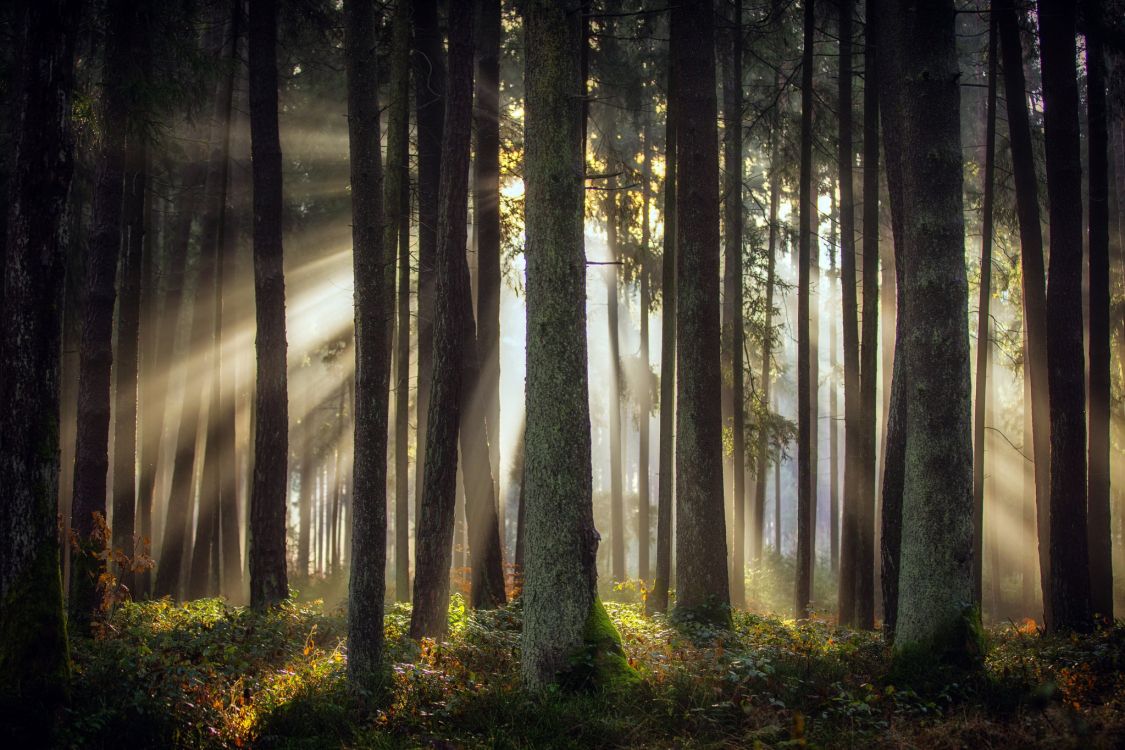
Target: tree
point(268, 582)
point(644, 397)
point(1098, 522)
point(613, 398)
point(369, 525)
point(486, 225)
point(984, 342)
point(935, 623)
point(34, 660)
point(396, 229)
point(1032, 274)
point(1070, 576)
point(703, 592)
point(657, 600)
point(91, 459)
point(733, 328)
point(805, 387)
point(562, 616)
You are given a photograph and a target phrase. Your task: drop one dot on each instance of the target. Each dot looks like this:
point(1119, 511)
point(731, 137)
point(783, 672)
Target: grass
point(203, 674)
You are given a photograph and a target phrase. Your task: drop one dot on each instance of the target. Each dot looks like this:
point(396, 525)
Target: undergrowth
point(203, 674)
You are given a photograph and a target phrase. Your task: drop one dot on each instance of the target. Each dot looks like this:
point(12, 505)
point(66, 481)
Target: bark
point(486, 225)
point(703, 591)
point(868, 362)
point(833, 405)
point(984, 342)
point(1032, 274)
point(429, 103)
point(560, 574)
point(1099, 522)
point(805, 386)
point(657, 600)
point(644, 397)
point(1069, 569)
point(935, 627)
point(91, 452)
point(397, 229)
point(268, 582)
point(34, 663)
point(853, 438)
point(733, 329)
point(372, 366)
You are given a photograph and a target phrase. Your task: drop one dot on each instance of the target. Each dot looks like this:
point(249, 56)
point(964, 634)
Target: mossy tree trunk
point(936, 623)
point(268, 581)
point(34, 663)
point(703, 591)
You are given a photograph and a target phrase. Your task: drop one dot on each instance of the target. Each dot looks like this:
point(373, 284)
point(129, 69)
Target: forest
point(562, 373)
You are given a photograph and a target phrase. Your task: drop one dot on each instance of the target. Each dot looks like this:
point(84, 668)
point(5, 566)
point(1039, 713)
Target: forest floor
point(204, 674)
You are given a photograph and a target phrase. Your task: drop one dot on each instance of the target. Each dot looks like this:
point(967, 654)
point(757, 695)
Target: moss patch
point(600, 662)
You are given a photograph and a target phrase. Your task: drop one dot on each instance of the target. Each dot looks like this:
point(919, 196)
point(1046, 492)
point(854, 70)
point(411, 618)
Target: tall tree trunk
point(372, 367)
point(429, 103)
point(304, 430)
point(1032, 274)
point(128, 333)
point(397, 229)
point(1070, 564)
point(616, 472)
point(833, 404)
point(644, 397)
point(486, 225)
point(657, 600)
point(853, 443)
point(869, 344)
point(91, 452)
point(453, 323)
point(34, 663)
point(984, 343)
point(757, 536)
point(805, 386)
point(934, 626)
point(733, 331)
point(703, 591)
point(561, 607)
point(1099, 523)
point(268, 582)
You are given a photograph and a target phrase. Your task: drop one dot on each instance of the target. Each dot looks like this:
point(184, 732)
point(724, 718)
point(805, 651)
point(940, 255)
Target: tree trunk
point(703, 591)
point(1070, 564)
point(91, 452)
point(268, 582)
point(34, 663)
point(561, 611)
point(644, 396)
point(616, 501)
point(805, 386)
point(833, 405)
point(453, 319)
point(486, 225)
point(372, 355)
point(1099, 522)
point(1032, 274)
point(733, 330)
point(657, 600)
point(868, 362)
point(934, 625)
point(984, 343)
point(429, 103)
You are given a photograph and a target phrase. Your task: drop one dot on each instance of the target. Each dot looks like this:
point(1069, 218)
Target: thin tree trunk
point(834, 406)
point(1070, 564)
point(1099, 524)
point(984, 343)
point(368, 509)
point(734, 333)
point(805, 386)
point(703, 590)
point(657, 600)
point(616, 501)
point(644, 397)
point(268, 582)
point(486, 225)
point(1033, 277)
point(34, 663)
